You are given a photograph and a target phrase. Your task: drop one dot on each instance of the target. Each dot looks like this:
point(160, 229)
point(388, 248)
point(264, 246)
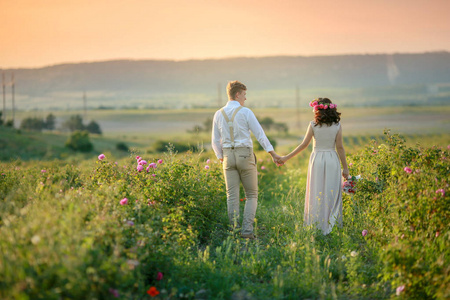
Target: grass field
point(68, 233)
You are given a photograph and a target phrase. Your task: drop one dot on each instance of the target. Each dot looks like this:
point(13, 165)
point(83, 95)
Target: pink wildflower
point(364, 232)
point(42, 171)
point(407, 170)
point(147, 169)
point(154, 175)
point(138, 157)
point(207, 167)
point(160, 161)
point(139, 168)
point(448, 147)
point(152, 165)
point(131, 223)
point(399, 290)
point(208, 161)
point(442, 191)
point(159, 276)
point(350, 164)
point(263, 168)
point(114, 292)
point(437, 233)
point(142, 162)
point(123, 201)
point(101, 156)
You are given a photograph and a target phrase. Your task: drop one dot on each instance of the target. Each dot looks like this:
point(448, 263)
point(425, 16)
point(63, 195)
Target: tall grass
point(65, 235)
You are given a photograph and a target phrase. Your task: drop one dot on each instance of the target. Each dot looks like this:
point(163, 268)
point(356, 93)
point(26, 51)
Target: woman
point(323, 199)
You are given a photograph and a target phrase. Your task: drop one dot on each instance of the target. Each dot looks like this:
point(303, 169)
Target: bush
point(162, 146)
point(93, 127)
point(260, 148)
point(35, 124)
point(121, 146)
point(79, 141)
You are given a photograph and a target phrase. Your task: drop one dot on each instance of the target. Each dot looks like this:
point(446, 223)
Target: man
point(233, 146)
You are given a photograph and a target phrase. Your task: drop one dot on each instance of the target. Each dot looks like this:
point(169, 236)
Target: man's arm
point(216, 139)
point(261, 137)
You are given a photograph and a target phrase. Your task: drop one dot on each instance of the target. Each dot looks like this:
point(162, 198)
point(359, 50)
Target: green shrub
point(79, 141)
point(121, 146)
point(180, 147)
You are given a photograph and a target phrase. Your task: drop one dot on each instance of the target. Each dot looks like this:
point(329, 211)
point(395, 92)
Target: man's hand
point(276, 158)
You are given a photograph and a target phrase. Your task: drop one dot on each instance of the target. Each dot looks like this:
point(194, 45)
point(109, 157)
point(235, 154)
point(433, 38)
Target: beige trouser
point(239, 165)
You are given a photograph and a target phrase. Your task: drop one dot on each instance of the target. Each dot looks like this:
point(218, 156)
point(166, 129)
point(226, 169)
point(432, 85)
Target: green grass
point(66, 236)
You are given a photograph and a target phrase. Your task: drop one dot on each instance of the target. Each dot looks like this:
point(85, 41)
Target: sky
point(37, 33)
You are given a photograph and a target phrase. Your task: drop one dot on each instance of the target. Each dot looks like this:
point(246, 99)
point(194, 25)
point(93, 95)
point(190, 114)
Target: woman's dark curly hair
point(327, 116)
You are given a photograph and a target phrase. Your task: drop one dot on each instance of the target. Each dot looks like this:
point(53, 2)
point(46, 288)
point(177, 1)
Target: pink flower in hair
point(321, 106)
point(315, 103)
point(325, 106)
point(316, 107)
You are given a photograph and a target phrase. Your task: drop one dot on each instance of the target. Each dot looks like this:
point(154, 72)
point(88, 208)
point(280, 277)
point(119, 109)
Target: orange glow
point(37, 33)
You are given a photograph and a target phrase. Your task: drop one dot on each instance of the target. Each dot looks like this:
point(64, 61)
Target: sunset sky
point(46, 32)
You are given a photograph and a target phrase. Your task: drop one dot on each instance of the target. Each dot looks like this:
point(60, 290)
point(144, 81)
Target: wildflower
point(442, 191)
point(343, 257)
point(407, 170)
point(417, 171)
point(138, 157)
point(123, 201)
point(132, 263)
point(350, 164)
point(35, 239)
point(399, 290)
point(159, 276)
point(364, 232)
point(153, 291)
point(42, 171)
point(207, 167)
point(147, 169)
point(154, 175)
point(448, 147)
point(152, 165)
point(263, 168)
point(437, 233)
point(131, 223)
point(101, 156)
point(142, 162)
point(160, 161)
point(139, 168)
point(114, 292)
point(208, 161)
point(353, 253)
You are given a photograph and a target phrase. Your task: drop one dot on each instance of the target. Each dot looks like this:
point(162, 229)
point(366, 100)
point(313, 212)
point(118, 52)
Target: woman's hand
point(283, 160)
point(345, 173)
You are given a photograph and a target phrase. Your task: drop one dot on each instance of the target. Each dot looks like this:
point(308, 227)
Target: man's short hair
point(235, 87)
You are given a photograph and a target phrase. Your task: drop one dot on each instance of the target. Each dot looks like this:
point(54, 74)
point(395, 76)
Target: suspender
point(230, 122)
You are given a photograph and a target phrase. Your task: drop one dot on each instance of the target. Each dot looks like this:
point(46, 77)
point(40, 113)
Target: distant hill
point(168, 83)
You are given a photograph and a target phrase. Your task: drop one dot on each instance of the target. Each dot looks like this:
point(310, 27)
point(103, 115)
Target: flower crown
point(317, 105)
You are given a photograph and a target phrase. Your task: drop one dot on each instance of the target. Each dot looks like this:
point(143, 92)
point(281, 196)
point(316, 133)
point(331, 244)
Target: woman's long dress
point(323, 199)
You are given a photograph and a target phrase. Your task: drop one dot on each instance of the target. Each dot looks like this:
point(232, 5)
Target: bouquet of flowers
point(349, 186)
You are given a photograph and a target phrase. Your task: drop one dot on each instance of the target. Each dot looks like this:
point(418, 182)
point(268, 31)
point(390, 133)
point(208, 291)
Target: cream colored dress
point(323, 199)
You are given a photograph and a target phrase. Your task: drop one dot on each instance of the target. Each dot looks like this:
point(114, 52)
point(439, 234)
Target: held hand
point(345, 173)
point(283, 159)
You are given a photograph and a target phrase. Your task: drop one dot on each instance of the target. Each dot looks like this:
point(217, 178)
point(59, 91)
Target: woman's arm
point(302, 146)
point(341, 152)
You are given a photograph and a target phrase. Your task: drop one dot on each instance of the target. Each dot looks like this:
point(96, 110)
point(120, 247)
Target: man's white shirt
point(244, 122)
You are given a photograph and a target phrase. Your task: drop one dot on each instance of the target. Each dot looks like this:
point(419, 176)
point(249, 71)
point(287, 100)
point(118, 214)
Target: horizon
point(52, 32)
point(212, 58)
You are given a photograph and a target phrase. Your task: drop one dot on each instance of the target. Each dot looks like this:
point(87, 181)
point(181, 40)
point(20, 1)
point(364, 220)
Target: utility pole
point(4, 96)
point(13, 84)
point(219, 95)
point(297, 103)
point(84, 104)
